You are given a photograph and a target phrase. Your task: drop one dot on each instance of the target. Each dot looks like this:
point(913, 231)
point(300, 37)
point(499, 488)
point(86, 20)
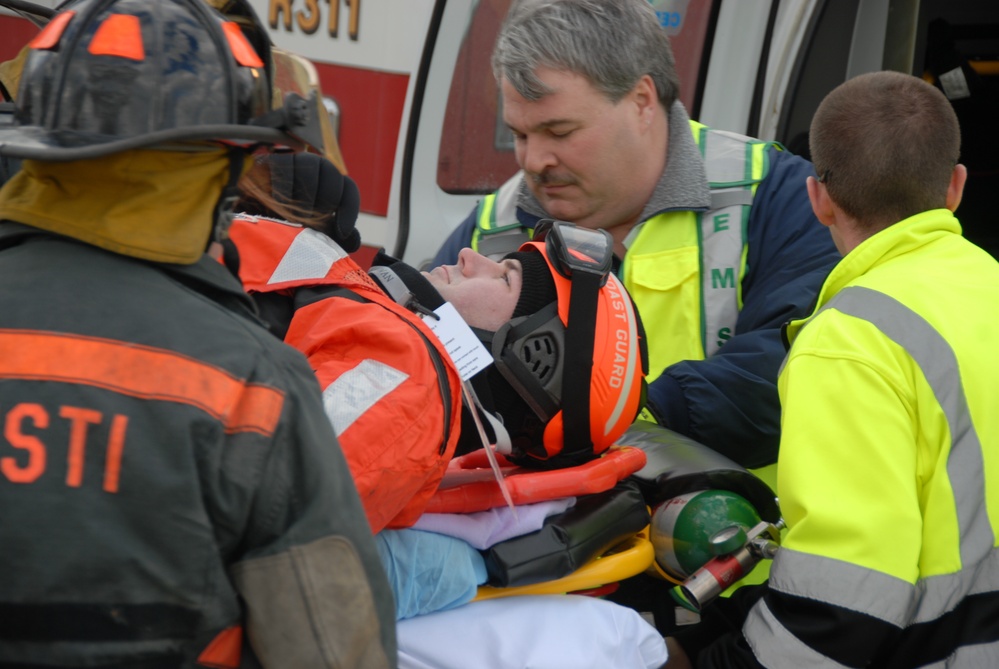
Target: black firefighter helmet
point(111, 75)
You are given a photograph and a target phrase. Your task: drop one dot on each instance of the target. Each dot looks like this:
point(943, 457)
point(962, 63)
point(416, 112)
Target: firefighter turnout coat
point(167, 474)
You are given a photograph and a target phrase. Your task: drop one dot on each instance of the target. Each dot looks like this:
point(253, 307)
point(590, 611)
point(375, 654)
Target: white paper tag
point(954, 85)
point(466, 351)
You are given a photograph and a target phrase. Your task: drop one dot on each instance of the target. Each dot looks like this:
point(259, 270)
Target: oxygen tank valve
point(736, 553)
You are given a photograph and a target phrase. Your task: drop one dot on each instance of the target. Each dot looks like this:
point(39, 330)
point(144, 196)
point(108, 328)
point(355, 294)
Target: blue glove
point(428, 571)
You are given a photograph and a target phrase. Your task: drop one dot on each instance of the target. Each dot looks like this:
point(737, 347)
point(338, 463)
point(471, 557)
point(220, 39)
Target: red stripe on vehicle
point(371, 105)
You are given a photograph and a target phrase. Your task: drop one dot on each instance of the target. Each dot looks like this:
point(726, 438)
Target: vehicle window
point(821, 67)
point(476, 153)
point(953, 44)
point(957, 49)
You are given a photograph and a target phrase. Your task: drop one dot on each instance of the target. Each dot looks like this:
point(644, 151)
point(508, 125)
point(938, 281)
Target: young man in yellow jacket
point(889, 454)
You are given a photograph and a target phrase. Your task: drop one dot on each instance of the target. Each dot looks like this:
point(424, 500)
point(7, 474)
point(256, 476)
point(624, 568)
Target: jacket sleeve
point(729, 400)
point(817, 634)
point(716, 640)
point(307, 568)
point(845, 582)
point(459, 238)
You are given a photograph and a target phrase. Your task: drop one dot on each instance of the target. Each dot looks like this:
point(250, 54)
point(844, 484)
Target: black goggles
point(575, 249)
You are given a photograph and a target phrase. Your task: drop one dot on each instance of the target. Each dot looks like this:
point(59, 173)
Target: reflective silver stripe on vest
point(351, 395)
point(722, 232)
point(310, 256)
point(731, 198)
point(843, 584)
point(498, 232)
point(498, 245)
point(505, 206)
point(725, 158)
point(877, 594)
point(868, 591)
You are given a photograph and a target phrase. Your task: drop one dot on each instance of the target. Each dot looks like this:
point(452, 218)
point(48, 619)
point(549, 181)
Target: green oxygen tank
point(682, 528)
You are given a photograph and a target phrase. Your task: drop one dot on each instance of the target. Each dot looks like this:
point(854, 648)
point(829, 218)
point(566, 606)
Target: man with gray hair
point(714, 237)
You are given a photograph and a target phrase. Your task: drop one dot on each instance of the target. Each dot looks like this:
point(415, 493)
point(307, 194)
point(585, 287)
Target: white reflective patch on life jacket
point(310, 256)
point(351, 395)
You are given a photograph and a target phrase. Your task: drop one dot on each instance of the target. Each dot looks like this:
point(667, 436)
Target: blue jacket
point(729, 400)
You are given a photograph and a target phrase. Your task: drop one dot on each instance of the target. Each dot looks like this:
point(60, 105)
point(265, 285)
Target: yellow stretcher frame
point(632, 556)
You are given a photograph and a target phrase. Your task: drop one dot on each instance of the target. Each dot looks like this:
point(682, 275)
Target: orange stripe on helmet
point(143, 372)
point(242, 50)
point(225, 650)
point(119, 35)
point(52, 33)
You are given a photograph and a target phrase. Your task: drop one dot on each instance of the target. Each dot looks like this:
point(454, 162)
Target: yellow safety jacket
point(684, 269)
point(889, 462)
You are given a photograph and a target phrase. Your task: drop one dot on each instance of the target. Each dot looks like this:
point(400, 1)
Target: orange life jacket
point(389, 388)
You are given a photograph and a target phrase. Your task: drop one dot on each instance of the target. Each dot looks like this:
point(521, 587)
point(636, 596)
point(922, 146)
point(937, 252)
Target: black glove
point(312, 182)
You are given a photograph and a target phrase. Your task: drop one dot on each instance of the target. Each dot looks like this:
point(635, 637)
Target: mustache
point(550, 179)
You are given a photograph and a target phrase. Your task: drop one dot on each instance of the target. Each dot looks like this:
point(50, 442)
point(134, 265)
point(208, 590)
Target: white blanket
point(483, 529)
point(531, 632)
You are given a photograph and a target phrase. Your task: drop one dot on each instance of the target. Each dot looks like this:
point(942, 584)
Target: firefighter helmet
point(110, 75)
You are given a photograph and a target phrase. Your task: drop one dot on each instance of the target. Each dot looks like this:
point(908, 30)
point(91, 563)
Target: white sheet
point(531, 632)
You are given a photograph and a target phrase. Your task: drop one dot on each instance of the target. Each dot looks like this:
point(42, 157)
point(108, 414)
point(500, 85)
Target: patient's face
point(483, 291)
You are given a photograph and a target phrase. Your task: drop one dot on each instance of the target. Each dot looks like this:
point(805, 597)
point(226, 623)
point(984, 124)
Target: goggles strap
point(577, 373)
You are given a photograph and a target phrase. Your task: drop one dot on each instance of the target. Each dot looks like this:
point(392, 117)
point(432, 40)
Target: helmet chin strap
point(226, 204)
point(501, 436)
point(577, 372)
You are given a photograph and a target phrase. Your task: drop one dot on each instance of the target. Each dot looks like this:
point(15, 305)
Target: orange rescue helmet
point(580, 361)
